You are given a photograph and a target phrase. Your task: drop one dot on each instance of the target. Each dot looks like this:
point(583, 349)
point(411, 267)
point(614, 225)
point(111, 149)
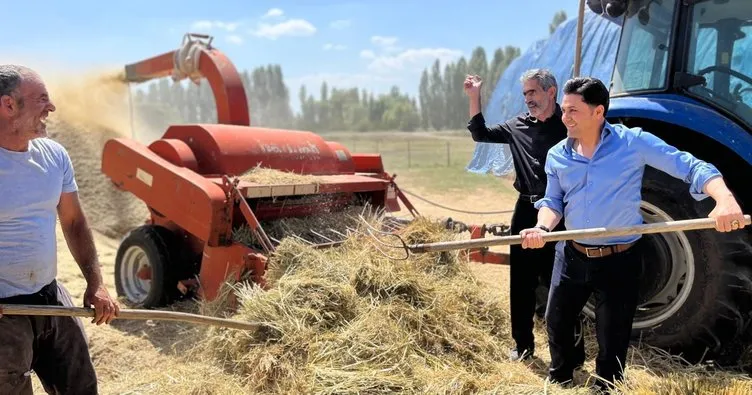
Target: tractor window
point(641, 63)
point(721, 35)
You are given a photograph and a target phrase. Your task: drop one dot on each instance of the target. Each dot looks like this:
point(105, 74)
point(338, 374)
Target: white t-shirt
point(31, 183)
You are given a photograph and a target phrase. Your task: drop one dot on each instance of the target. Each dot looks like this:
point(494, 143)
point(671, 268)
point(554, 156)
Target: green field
point(432, 161)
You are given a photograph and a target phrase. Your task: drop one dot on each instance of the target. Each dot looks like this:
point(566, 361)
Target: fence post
point(449, 155)
point(409, 160)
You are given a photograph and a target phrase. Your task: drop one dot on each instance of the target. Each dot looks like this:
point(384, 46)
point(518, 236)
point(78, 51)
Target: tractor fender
point(688, 113)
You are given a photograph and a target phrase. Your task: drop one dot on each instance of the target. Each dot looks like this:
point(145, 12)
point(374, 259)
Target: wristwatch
point(542, 227)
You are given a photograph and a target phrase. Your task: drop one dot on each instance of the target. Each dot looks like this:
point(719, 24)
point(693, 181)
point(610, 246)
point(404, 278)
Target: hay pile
point(92, 109)
point(348, 319)
point(323, 227)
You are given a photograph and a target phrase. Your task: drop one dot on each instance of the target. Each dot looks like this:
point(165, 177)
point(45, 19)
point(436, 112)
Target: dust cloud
point(92, 108)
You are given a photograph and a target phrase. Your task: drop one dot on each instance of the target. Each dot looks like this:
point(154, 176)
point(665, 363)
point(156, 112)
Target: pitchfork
point(656, 227)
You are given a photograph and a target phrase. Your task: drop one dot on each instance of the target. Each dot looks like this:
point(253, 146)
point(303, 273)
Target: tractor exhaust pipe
point(578, 43)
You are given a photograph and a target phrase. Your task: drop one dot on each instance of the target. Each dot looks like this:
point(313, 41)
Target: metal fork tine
point(337, 232)
point(320, 235)
point(302, 239)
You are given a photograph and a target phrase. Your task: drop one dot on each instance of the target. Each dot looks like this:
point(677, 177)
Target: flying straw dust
point(92, 109)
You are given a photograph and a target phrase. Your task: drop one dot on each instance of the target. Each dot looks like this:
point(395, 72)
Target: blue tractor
point(683, 71)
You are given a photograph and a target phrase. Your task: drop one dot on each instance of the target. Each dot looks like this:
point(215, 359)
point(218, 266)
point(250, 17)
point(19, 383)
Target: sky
point(365, 43)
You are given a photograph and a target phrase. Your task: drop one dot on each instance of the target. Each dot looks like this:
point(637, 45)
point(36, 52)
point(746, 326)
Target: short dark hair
point(592, 90)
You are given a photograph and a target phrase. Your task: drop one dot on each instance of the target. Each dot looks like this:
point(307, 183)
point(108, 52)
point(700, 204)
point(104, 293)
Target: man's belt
point(530, 198)
point(601, 251)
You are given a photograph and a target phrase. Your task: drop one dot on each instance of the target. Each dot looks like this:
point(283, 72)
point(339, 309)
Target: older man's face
point(30, 114)
point(537, 100)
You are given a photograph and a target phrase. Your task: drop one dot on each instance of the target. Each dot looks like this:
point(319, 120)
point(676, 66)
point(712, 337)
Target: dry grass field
point(144, 357)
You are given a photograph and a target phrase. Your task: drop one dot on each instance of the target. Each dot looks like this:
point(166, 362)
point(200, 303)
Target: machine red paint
point(186, 179)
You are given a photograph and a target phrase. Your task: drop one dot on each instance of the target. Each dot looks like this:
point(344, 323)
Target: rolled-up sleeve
point(679, 164)
point(554, 197)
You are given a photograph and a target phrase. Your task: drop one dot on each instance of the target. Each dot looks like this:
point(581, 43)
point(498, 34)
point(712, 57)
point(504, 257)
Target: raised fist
point(472, 85)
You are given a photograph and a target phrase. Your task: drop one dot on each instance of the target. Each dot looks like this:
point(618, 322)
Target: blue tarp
point(556, 53)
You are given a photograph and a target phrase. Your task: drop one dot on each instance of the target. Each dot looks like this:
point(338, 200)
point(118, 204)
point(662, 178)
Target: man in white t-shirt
point(37, 185)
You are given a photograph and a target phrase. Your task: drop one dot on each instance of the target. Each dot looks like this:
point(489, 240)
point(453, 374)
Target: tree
point(559, 18)
point(440, 104)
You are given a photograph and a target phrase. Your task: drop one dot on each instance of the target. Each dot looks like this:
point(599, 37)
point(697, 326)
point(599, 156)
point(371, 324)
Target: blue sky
point(369, 44)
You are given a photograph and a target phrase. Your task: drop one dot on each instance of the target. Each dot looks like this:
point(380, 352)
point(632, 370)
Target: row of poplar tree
point(441, 103)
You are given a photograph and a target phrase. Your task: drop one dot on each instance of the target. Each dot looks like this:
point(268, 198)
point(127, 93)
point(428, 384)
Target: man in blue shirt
point(529, 135)
point(594, 180)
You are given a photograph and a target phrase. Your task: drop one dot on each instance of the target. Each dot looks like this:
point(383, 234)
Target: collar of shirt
point(606, 132)
point(556, 114)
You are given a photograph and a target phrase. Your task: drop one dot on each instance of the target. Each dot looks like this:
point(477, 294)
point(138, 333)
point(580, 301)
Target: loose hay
point(653, 371)
point(92, 109)
point(349, 320)
point(263, 175)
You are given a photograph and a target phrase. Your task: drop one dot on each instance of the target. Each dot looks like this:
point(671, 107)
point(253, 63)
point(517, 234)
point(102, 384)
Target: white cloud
point(235, 39)
point(367, 54)
point(340, 24)
point(412, 59)
point(274, 12)
point(334, 47)
point(384, 41)
point(292, 27)
point(206, 25)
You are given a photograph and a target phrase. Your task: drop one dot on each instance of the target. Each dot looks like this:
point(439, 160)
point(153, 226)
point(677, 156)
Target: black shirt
point(529, 141)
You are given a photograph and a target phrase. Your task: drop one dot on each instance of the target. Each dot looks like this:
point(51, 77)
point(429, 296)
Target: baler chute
point(191, 179)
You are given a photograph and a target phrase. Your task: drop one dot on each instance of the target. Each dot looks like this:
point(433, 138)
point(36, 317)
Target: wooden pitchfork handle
point(63, 311)
point(657, 227)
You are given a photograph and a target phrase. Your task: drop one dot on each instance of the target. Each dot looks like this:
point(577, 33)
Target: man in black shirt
point(529, 135)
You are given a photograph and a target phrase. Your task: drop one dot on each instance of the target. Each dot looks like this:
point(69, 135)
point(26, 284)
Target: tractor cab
point(697, 48)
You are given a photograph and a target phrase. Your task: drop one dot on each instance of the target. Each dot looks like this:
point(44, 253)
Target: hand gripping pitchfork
point(656, 227)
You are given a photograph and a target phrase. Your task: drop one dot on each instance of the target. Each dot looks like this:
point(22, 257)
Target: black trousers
point(614, 281)
point(528, 269)
point(53, 347)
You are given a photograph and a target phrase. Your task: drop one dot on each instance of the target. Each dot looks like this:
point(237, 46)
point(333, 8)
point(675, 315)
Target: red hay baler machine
point(188, 180)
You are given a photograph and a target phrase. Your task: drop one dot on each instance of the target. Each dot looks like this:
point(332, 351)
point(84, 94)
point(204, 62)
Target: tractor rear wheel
point(696, 286)
point(144, 272)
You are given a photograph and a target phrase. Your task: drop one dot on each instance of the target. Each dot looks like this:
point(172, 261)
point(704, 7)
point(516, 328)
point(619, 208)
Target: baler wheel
point(143, 269)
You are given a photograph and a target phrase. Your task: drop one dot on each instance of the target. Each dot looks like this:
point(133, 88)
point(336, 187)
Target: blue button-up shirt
point(605, 191)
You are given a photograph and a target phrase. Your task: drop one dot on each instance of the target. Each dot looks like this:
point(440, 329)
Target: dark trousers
point(55, 348)
point(529, 268)
point(614, 282)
